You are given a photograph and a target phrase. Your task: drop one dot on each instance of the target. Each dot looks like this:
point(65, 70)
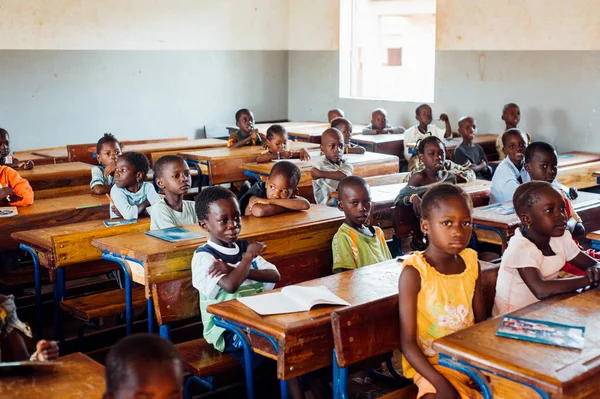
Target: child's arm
point(444, 118)
point(99, 189)
point(97, 184)
point(262, 207)
point(320, 174)
point(369, 131)
point(409, 286)
point(343, 258)
point(478, 301)
point(244, 141)
point(26, 165)
point(266, 157)
point(126, 210)
point(576, 228)
point(355, 149)
point(22, 193)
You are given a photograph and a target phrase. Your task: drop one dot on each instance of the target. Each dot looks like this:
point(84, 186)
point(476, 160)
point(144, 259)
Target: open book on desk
point(291, 299)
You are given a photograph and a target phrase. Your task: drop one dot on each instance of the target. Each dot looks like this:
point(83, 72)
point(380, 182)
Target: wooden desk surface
point(58, 175)
point(452, 143)
point(376, 138)
point(594, 235)
point(317, 130)
point(565, 373)
point(305, 338)
point(262, 127)
point(58, 153)
point(576, 158)
point(77, 377)
point(23, 156)
point(149, 148)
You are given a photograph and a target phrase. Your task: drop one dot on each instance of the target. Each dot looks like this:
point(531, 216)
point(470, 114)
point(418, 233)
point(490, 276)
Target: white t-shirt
point(511, 291)
point(162, 216)
point(127, 202)
point(413, 134)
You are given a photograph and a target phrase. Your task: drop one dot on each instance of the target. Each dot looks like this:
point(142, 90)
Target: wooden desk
point(392, 144)
point(487, 141)
point(313, 134)
point(58, 175)
point(57, 154)
point(77, 377)
point(576, 169)
point(174, 146)
point(517, 366)
point(24, 156)
point(223, 164)
point(263, 127)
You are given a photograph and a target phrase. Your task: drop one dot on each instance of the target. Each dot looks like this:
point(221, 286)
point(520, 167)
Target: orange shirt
point(11, 178)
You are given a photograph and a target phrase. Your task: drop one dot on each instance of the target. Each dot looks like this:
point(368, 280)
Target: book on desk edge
point(174, 234)
point(541, 331)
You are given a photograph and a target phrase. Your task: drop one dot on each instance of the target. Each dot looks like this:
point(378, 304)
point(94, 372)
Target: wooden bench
point(178, 301)
point(103, 304)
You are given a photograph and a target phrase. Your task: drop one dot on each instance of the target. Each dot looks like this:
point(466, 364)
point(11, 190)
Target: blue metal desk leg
point(150, 310)
point(472, 372)
point(38, 291)
point(196, 165)
point(340, 380)
point(128, 283)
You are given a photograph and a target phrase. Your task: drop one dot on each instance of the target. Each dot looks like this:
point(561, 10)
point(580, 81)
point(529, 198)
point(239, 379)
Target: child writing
point(246, 134)
point(345, 126)
point(108, 150)
point(334, 114)
point(425, 128)
point(530, 265)
point(14, 190)
point(440, 293)
point(379, 124)
point(143, 366)
point(511, 115)
point(6, 158)
point(172, 176)
point(511, 171)
point(356, 243)
point(277, 194)
point(276, 147)
point(470, 153)
point(131, 195)
point(332, 168)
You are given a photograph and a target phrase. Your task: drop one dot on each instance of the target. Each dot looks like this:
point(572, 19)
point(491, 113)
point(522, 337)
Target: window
point(387, 49)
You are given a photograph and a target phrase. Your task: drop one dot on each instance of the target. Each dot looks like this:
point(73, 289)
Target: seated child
point(108, 150)
point(332, 168)
point(379, 124)
point(511, 115)
point(356, 243)
point(6, 158)
point(277, 195)
point(424, 129)
point(276, 147)
point(143, 366)
point(511, 171)
point(470, 153)
point(172, 176)
point(441, 284)
point(345, 126)
point(334, 114)
point(14, 190)
point(530, 265)
point(131, 195)
point(246, 134)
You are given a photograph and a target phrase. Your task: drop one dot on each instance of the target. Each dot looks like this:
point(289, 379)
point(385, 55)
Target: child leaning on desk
point(276, 147)
point(345, 126)
point(511, 171)
point(108, 150)
point(440, 293)
point(246, 134)
point(6, 158)
point(379, 124)
point(14, 190)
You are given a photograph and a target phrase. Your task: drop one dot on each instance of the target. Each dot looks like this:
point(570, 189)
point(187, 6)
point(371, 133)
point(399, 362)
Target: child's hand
point(262, 201)
point(219, 268)
point(446, 391)
point(46, 350)
point(444, 118)
point(116, 211)
point(110, 169)
point(255, 249)
point(285, 155)
point(27, 165)
point(315, 173)
point(304, 155)
point(416, 203)
point(573, 193)
point(593, 274)
point(5, 192)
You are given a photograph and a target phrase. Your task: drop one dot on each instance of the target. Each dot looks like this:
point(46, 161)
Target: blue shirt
point(505, 181)
point(127, 202)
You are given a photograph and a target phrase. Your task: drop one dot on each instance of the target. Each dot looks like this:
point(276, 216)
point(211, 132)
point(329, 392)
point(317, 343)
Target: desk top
point(77, 377)
point(56, 153)
point(318, 130)
point(576, 158)
point(58, 204)
point(376, 138)
point(67, 169)
point(175, 145)
point(247, 151)
point(452, 143)
point(262, 127)
point(555, 369)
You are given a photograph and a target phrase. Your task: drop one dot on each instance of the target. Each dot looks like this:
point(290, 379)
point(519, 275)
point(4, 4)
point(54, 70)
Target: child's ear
point(420, 157)
point(139, 176)
point(203, 225)
point(527, 167)
point(340, 205)
point(160, 183)
point(525, 219)
point(424, 225)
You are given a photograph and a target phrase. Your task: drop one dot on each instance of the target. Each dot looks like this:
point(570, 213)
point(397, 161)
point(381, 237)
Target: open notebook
point(291, 299)
point(8, 211)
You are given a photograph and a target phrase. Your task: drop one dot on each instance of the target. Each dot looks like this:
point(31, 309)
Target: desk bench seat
point(22, 277)
point(202, 359)
point(103, 304)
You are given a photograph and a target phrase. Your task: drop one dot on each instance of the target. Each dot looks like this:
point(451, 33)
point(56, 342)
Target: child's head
point(172, 175)
point(424, 114)
point(511, 115)
point(334, 114)
point(108, 149)
point(467, 127)
point(132, 168)
point(283, 180)
point(332, 144)
point(4, 145)
point(244, 119)
point(541, 161)
point(446, 218)
point(541, 209)
point(344, 126)
point(219, 213)
point(143, 365)
point(432, 153)
point(277, 138)
point(379, 119)
point(515, 143)
point(354, 199)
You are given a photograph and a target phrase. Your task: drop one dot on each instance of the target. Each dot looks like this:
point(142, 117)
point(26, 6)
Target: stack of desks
point(576, 169)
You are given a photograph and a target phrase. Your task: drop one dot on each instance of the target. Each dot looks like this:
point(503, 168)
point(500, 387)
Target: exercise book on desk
point(500, 212)
point(543, 332)
point(8, 211)
point(174, 234)
point(108, 223)
point(291, 299)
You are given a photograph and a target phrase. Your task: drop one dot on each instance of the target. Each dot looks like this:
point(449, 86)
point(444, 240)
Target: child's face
point(512, 116)
point(543, 166)
point(355, 202)
point(176, 178)
point(433, 156)
point(332, 145)
point(246, 122)
point(279, 187)
point(331, 115)
point(467, 129)
point(224, 223)
point(449, 225)
point(278, 143)
point(109, 153)
point(515, 148)
point(378, 120)
point(157, 381)
point(425, 115)
point(4, 145)
point(547, 215)
point(126, 175)
point(346, 132)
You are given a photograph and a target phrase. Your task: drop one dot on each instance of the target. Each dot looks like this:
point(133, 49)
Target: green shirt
point(352, 249)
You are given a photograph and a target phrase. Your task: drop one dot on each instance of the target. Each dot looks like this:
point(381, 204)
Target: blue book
point(109, 223)
point(175, 234)
point(543, 332)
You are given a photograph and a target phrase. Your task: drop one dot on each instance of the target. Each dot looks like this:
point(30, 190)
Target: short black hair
point(337, 111)
point(511, 132)
point(420, 107)
point(159, 165)
point(381, 111)
point(107, 138)
point(439, 193)
point(428, 140)
point(351, 181)
point(538, 146)
point(138, 160)
point(288, 169)
point(4, 131)
point(241, 112)
point(527, 194)
point(508, 106)
point(207, 196)
point(138, 350)
point(276, 129)
point(341, 121)
point(329, 131)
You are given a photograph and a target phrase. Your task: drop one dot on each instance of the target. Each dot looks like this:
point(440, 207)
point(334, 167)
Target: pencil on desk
point(110, 199)
point(88, 206)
